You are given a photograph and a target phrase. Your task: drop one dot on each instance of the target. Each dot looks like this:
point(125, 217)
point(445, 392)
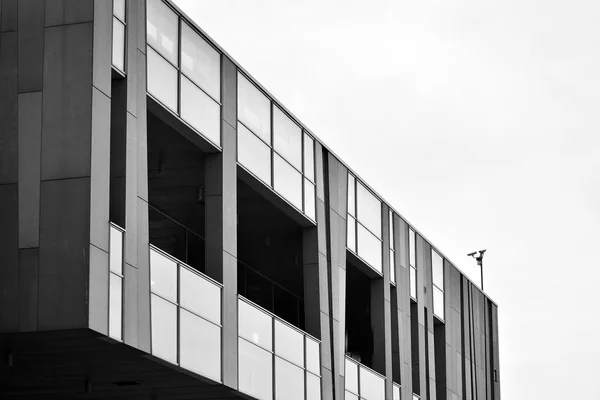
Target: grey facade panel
point(63, 12)
point(28, 289)
point(8, 107)
point(8, 15)
point(31, 45)
point(9, 247)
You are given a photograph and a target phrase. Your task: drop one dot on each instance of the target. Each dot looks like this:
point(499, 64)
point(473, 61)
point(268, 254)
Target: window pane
point(162, 27)
point(116, 250)
point(351, 376)
point(118, 45)
point(254, 154)
point(200, 62)
point(372, 387)
point(412, 247)
point(313, 387)
point(313, 363)
point(200, 296)
point(255, 371)
point(415, 397)
point(413, 282)
point(351, 237)
point(202, 112)
point(309, 200)
point(396, 392)
point(392, 266)
point(164, 329)
point(351, 195)
point(119, 9)
point(254, 109)
point(391, 229)
point(162, 80)
point(437, 269)
point(287, 138)
point(309, 157)
point(369, 248)
point(255, 325)
point(350, 396)
point(115, 325)
point(200, 343)
point(163, 276)
point(369, 210)
point(289, 381)
point(289, 343)
point(287, 181)
point(438, 302)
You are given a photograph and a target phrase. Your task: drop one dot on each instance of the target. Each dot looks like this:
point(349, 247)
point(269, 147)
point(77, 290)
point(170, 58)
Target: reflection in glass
point(164, 329)
point(351, 237)
point(254, 154)
point(412, 247)
point(289, 381)
point(162, 80)
point(116, 250)
point(200, 61)
point(287, 138)
point(255, 325)
point(369, 248)
point(162, 26)
point(287, 181)
point(350, 396)
point(372, 386)
point(437, 269)
point(416, 397)
point(413, 282)
point(254, 109)
point(309, 158)
point(309, 200)
point(200, 296)
point(351, 195)
point(200, 346)
point(115, 322)
point(438, 302)
point(163, 276)
point(392, 266)
point(255, 369)
point(289, 343)
point(118, 44)
point(119, 9)
point(369, 210)
point(351, 376)
point(313, 387)
point(202, 112)
point(313, 363)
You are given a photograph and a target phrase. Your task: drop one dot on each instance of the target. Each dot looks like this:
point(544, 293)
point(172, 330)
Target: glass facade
point(364, 224)
point(392, 247)
point(396, 392)
point(115, 283)
point(185, 316)
point(362, 382)
point(273, 147)
point(437, 273)
point(118, 35)
point(412, 251)
point(271, 352)
point(183, 71)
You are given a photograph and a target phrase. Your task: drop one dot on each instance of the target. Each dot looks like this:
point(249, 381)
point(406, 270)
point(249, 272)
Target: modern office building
point(169, 230)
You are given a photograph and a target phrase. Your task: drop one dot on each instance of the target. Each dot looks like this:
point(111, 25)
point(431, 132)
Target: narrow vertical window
point(118, 35)
point(115, 315)
point(437, 273)
point(412, 250)
point(392, 247)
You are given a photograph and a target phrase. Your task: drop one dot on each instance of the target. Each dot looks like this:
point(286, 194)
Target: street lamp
point(479, 259)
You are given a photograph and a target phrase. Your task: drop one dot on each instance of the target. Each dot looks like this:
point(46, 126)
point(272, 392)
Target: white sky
point(480, 122)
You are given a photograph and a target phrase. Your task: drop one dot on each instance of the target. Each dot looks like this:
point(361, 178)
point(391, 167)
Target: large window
point(273, 147)
point(118, 35)
point(437, 273)
point(186, 316)
point(364, 224)
point(412, 251)
point(184, 71)
point(275, 355)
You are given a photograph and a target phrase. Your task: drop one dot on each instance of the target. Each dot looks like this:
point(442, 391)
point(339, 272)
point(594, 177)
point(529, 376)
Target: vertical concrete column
point(381, 314)
point(221, 220)
point(336, 208)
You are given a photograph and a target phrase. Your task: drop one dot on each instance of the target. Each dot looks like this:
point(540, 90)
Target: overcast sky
point(479, 121)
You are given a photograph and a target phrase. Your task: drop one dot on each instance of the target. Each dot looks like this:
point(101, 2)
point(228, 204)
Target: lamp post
point(479, 259)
